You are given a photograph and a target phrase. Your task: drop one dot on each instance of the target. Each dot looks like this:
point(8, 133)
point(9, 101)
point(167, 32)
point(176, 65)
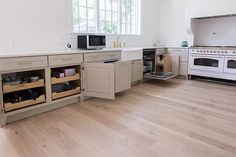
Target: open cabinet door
point(122, 76)
point(98, 80)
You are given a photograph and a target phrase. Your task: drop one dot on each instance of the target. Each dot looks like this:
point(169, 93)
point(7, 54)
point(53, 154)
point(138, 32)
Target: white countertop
point(67, 52)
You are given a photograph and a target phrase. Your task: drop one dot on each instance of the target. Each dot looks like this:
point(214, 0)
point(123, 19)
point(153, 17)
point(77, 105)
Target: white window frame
point(97, 20)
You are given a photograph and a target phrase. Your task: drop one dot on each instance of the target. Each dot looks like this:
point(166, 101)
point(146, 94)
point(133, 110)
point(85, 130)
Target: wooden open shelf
point(15, 88)
point(14, 106)
point(65, 79)
point(66, 93)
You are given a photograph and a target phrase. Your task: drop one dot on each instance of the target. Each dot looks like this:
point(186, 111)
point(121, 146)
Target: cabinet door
point(122, 76)
point(183, 68)
point(98, 80)
point(137, 70)
point(175, 64)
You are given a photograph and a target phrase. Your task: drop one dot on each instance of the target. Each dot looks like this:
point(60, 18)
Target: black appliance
point(149, 60)
point(91, 41)
point(149, 66)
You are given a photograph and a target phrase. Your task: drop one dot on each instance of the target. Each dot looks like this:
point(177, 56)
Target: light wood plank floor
point(178, 118)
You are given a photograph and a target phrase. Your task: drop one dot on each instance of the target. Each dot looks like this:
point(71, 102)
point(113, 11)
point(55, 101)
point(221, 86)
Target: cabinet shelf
point(65, 79)
point(15, 88)
point(14, 106)
point(66, 93)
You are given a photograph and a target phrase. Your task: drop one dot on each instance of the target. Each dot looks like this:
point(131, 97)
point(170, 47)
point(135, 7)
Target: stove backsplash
point(217, 31)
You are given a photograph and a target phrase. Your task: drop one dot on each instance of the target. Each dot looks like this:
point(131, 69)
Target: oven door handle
point(203, 56)
point(233, 58)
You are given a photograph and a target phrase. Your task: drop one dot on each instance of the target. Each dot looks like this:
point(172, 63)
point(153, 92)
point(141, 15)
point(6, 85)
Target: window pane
point(91, 3)
point(133, 29)
point(114, 5)
point(133, 20)
point(123, 29)
point(108, 16)
point(102, 4)
point(82, 3)
point(91, 14)
point(83, 13)
point(115, 17)
point(108, 5)
point(83, 25)
point(128, 29)
point(102, 15)
point(75, 15)
point(102, 26)
point(91, 26)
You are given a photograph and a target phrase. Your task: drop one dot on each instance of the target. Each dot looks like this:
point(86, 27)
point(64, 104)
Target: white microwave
point(91, 41)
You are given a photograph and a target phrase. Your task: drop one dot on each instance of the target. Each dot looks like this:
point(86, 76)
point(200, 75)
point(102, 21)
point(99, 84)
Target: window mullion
point(126, 19)
point(130, 14)
point(120, 15)
point(98, 29)
point(79, 16)
point(111, 14)
point(87, 15)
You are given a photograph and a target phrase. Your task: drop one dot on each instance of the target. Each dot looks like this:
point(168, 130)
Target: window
point(106, 16)
point(130, 15)
point(84, 15)
point(109, 15)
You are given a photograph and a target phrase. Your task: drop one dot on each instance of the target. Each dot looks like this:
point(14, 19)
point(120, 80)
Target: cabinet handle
point(24, 62)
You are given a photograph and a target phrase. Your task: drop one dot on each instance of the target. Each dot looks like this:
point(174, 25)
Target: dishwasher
point(149, 66)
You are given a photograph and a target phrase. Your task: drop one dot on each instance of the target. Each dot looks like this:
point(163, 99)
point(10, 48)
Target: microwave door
point(96, 41)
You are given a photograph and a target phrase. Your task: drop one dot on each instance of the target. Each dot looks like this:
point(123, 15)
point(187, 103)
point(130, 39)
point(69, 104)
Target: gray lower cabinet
point(136, 70)
point(103, 80)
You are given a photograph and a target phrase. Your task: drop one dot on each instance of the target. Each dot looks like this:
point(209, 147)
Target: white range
point(214, 62)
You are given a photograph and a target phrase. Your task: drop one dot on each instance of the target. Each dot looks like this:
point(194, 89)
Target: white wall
point(172, 26)
point(215, 31)
point(175, 17)
point(45, 25)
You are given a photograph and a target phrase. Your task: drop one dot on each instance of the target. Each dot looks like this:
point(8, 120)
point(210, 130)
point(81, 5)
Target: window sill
point(110, 34)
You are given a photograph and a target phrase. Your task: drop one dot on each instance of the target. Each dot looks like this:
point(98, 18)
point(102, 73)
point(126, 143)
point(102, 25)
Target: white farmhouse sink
point(131, 54)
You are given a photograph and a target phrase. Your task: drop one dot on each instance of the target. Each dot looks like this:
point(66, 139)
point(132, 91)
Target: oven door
point(230, 65)
point(206, 63)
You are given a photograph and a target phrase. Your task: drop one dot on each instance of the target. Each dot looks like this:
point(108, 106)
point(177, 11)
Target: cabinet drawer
point(22, 63)
point(65, 59)
point(91, 57)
